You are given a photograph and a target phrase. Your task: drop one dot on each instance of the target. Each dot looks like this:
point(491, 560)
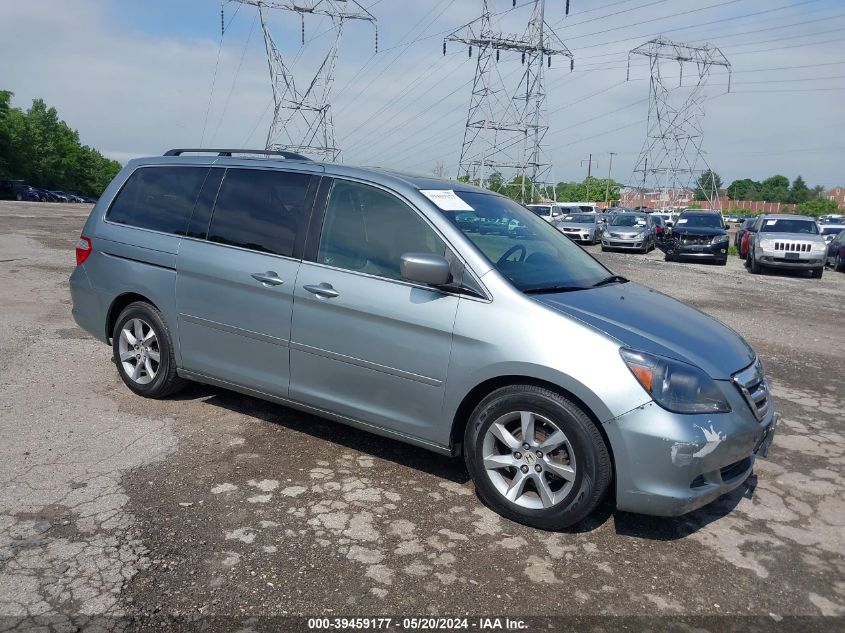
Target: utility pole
point(674, 131)
point(302, 120)
point(607, 184)
point(589, 162)
point(506, 126)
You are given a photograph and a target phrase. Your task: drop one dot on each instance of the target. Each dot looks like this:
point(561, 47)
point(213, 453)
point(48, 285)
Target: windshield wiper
point(539, 290)
point(619, 279)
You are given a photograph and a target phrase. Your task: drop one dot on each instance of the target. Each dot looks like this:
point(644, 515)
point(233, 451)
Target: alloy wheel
point(139, 351)
point(529, 460)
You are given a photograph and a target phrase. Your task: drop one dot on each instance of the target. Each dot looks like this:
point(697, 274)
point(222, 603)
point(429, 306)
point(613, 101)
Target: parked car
point(549, 212)
point(354, 294)
point(668, 221)
point(628, 231)
point(659, 224)
point(468, 222)
point(18, 190)
point(834, 218)
point(740, 235)
point(746, 241)
point(829, 231)
point(497, 226)
point(698, 235)
point(836, 252)
point(787, 241)
point(580, 227)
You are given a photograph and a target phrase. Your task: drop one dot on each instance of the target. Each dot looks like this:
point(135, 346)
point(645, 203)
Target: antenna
point(302, 120)
point(671, 156)
point(505, 128)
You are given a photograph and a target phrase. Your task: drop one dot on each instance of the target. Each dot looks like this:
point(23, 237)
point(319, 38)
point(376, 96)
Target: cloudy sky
point(135, 78)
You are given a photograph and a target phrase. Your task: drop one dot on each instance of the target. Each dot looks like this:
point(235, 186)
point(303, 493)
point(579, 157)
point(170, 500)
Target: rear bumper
point(669, 464)
point(87, 310)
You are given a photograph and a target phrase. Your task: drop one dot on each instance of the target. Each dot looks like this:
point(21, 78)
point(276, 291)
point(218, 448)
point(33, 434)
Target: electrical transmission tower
point(505, 127)
point(671, 158)
point(302, 120)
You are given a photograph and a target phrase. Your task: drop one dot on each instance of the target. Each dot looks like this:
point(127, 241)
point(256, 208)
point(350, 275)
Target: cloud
point(133, 90)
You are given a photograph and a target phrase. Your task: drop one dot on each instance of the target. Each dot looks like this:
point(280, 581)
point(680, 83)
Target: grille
point(792, 247)
point(696, 239)
point(752, 383)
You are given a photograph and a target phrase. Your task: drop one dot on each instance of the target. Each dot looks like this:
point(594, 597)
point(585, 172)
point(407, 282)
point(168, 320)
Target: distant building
point(837, 194)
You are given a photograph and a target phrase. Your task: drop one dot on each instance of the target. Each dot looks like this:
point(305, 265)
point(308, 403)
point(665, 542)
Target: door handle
point(270, 278)
point(322, 290)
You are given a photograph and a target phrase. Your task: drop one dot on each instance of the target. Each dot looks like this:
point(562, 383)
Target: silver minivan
point(355, 294)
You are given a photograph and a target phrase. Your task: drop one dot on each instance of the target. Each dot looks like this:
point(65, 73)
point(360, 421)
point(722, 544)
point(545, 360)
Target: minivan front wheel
point(144, 353)
point(536, 457)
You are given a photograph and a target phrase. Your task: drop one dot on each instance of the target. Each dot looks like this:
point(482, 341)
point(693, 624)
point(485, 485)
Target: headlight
point(767, 244)
point(720, 238)
point(819, 247)
point(675, 386)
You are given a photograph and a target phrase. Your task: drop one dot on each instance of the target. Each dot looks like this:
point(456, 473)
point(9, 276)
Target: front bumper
point(624, 242)
point(668, 464)
point(579, 236)
point(804, 261)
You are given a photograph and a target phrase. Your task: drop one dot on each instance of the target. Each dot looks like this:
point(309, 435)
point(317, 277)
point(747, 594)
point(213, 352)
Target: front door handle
point(322, 290)
point(270, 278)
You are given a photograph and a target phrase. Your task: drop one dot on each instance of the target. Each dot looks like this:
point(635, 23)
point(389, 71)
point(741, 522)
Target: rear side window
point(262, 210)
point(158, 198)
point(368, 230)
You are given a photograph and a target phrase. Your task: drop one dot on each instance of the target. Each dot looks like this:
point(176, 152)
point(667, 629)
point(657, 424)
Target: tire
point(754, 265)
point(723, 262)
point(839, 264)
point(582, 457)
point(818, 272)
point(603, 248)
point(19, 197)
point(164, 380)
point(668, 258)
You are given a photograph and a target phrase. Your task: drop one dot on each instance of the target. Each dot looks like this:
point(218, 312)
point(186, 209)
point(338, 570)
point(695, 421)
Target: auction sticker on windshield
point(446, 199)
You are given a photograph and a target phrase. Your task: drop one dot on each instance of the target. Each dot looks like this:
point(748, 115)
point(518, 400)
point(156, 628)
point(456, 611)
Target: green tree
point(744, 189)
point(818, 206)
point(40, 148)
point(707, 184)
point(775, 189)
point(799, 192)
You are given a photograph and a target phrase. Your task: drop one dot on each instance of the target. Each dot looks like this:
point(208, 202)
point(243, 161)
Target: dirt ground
point(214, 503)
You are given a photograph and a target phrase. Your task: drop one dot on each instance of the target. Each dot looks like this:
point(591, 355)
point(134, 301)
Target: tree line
point(520, 189)
point(38, 147)
point(777, 188)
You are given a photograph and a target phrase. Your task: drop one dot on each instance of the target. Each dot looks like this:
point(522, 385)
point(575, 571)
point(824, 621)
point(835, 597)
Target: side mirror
point(425, 268)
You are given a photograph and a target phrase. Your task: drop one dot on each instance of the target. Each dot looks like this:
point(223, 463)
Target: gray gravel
point(216, 503)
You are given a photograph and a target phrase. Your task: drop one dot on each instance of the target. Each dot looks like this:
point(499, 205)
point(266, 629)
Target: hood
point(647, 320)
point(697, 230)
point(640, 228)
point(791, 237)
point(576, 225)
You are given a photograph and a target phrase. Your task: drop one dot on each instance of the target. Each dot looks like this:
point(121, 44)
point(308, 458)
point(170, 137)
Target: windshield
point(528, 251)
point(779, 225)
point(832, 230)
point(541, 210)
point(701, 220)
point(581, 218)
point(627, 219)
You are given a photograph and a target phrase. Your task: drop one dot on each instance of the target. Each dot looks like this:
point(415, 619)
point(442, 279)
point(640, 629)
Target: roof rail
point(229, 152)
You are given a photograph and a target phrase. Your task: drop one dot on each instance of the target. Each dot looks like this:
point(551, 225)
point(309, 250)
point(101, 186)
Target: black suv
point(18, 190)
point(699, 235)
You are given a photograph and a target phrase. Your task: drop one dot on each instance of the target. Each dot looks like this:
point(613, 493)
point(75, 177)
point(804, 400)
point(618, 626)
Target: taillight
point(83, 249)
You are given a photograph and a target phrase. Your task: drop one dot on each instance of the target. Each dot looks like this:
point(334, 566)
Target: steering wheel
point(513, 249)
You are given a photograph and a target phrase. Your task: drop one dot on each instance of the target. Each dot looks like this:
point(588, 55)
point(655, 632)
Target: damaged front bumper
point(668, 464)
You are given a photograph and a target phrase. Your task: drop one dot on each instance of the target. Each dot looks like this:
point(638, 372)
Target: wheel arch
point(118, 305)
point(483, 389)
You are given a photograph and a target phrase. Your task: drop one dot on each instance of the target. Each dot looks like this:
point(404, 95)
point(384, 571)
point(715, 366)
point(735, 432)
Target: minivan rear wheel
point(536, 457)
point(144, 352)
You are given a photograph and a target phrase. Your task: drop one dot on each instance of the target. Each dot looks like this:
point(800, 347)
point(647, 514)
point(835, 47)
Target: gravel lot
point(216, 503)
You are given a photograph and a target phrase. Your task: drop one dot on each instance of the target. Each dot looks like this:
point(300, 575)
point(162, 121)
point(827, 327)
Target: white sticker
point(446, 199)
point(682, 221)
point(770, 222)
